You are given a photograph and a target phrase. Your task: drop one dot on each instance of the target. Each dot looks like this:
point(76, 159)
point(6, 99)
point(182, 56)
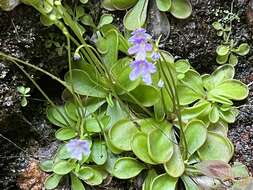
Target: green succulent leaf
point(220, 127)
point(243, 49)
point(196, 110)
point(123, 43)
point(96, 179)
point(231, 89)
point(230, 115)
point(85, 173)
point(111, 40)
point(222, 50)
point(59, 117)
point(148, 97)
point(99, 152)
point(175, 166)
point(140, 148)
point(76, 183)
point(107, 4)
point(135, 18)
point(222, 73)
point(126, 168)
point(84, 85)
point(122, 4)
point(87, 20)
point(233, 59)
point(105, 19)
point(217, 25)
point(181, 9)
point(122, 133)
point(160, 145)
point(79, 12)
point(164, 182)
point(163, 5)
point(214, 115)
point(52, 181)
point(149, 179)
point(63, 167)
point(182, 65)
point(96, 126)
point(240, 170)
point(216, 147)
point(47, 165)
point(191, 88)
point(195, 134)
point(121, 71)
point(65, 134)
point(222, 59)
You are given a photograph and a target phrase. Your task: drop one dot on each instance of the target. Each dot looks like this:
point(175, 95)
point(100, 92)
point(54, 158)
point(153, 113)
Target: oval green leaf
point(122, 133)
point(164, 182)
point(136, 17)
point(84, 85)
point(140, 148)
point(163, 5)
point(181, 9)
point(160, 146)
point(99, 152)
point(126, 168)
point(216, 147)
point(63, 167)
point(195, 134)
point(65, 134)
point(52, 181)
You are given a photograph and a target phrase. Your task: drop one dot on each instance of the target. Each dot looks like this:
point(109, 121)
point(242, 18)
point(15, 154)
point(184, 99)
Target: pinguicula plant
point(24, 93)
point(131, 108)
point(136, 16)
point(229, 50)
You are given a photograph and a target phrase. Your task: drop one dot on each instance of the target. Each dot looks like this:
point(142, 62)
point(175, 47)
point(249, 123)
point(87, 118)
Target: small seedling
point(229, 50)
point(24, 93)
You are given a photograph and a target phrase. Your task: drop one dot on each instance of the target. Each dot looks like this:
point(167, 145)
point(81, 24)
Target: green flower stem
point(76, 97)
point(177, 108)
point(230, 24)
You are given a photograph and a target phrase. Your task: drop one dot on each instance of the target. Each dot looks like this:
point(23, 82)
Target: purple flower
point(155, 56)
point(139, 36)
point(140, 50)
point(78, 148)
point(142, 68)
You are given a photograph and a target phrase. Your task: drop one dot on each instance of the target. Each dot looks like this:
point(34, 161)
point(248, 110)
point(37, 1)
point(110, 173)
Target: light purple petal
point(147, 79)
point(148, 47)
point(134, 49)
point(151, 68)
point(137, 31)
point(77, 148)
point(136, 70)
point(139, 36)
point(155, 56)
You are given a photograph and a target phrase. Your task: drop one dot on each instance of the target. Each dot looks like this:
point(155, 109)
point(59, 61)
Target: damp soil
point(25, 134)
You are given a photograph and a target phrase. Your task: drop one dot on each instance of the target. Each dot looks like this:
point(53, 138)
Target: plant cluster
point(136, 16)
point(131, 108)
point(229, 50)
